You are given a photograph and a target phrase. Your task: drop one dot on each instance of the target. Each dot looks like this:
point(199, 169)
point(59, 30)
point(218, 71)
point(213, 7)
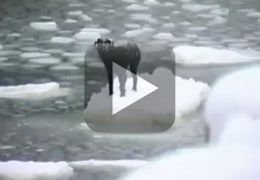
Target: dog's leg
point(133, 69)
point(109, 69)
point(122, 76)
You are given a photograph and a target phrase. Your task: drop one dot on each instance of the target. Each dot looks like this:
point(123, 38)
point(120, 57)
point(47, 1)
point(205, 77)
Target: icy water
point(53, 130)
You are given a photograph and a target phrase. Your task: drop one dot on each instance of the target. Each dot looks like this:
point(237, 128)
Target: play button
point(144, 88)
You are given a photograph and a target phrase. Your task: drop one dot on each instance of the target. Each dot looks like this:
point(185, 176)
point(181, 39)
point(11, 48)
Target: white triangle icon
point(144, 88)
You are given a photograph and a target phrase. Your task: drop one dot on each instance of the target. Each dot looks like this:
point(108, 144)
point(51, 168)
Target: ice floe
point(29, 55)
point(136, 7)
point(143, 17)
point(108, 164)
point(90, 34)
point(189, 95)
point(151, 2)
point(69, 21)
point(199, 55)
point(168, 4)
point(85, 17)
point(62, 40)
point(75, 13)
point(44, 26)
point(1, 47)
point(169, 25)
point(137, 32)
point(132, 25)
point(45, 61)
point(199, 7)
point(32, 91)
point(233, 96)
point(17, 170)
point(253, 14)
point(64, 67)
point(164, 36)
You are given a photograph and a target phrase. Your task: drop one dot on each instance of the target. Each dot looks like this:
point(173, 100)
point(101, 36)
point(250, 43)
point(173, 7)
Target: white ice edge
point(200, 55)
point(30, 170)
point(32, 91)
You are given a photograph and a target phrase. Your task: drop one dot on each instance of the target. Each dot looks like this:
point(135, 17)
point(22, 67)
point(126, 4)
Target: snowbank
point(233, 95)
point(44, 26)
point(199, 55)
point(32, 91)
point(16, 170)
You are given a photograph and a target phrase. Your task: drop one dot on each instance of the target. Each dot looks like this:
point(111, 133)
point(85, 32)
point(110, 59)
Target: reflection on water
point(47, 130)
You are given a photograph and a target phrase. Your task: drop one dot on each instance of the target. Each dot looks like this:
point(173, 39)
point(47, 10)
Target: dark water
point(51, 130)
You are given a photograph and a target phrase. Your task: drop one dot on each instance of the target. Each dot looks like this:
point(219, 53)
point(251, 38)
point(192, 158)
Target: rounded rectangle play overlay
point(124, 94)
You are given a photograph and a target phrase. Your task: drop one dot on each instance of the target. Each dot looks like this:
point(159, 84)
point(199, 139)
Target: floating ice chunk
point(253, 14)
point(217, 20)
point(169, 25)
point(1, 47)
point(208, 163)
point(32, 91)
point(17, 170)
point(220, 12)
point(75, 13)
point(71, 21)
point(44, 26)
point(137, 32)
point(197, 28)
point(151, 2)
point(62, 40)
point(132, 25)
point(199, 7)
point(64, 67)
point(185, 23)
point(164, 36)
point(136, 7)
point(234, 96)
point(87, 36)
point(196, 55)
point(2, 59)
point(85, 17)
point(45, 61)
point(130, 1)
point(29, 55)
point(143, 17)
point(189, 95)
point(76, 5)
point(168, 4)
point(15, 35)
point(128, 164)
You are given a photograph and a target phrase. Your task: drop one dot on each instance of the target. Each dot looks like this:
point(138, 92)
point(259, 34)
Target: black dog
point(128, 55)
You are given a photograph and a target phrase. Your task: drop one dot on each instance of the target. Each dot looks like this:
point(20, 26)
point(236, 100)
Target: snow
point(29, 55)
point(44, 26)
point(136, 7)
point(234, 95)
point(137, 32)
point(16, 170)
point(164, 36)
point(200, 55)
point(62, 40)
point(32, 91)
